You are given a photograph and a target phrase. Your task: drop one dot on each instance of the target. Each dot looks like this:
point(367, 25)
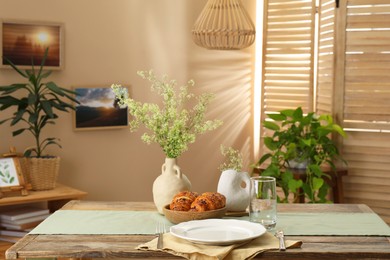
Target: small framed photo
point(98, 109)
point(24, 43)
point(10, 172)
point(12, 180)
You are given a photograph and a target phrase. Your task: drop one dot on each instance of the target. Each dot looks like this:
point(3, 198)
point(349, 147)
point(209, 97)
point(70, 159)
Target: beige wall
point(107, 42)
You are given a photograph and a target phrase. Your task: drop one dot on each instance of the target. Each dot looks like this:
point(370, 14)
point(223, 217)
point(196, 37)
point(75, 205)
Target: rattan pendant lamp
point(224, 25)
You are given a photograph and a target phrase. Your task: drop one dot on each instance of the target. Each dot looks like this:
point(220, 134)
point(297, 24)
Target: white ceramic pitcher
point(170, 182)
point(235, 187)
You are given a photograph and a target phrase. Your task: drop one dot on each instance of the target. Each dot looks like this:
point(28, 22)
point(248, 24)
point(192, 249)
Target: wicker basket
point(42, 173)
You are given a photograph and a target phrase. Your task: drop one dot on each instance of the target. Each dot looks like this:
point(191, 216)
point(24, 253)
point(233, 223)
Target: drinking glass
point(262, 207)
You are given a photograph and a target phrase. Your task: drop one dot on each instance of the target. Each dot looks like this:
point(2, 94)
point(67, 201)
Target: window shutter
point(352, 81)
point(366, 103)
point(288, 48)
point(288, 41)
point(325, 57)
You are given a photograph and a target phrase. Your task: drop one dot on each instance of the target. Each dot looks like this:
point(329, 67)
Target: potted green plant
point(302, 141)
point(36, 104)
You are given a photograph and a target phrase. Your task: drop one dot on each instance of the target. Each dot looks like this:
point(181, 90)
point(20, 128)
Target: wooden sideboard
point(55, 199)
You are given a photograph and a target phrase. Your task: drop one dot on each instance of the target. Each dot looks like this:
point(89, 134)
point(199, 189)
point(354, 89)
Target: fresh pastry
point(191, 194)
point(182, 201)
point(192, 201)
point(216, 198)
point(208, 201)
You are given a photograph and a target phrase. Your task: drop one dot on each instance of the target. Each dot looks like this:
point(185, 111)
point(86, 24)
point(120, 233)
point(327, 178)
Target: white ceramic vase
point(170, 182)
point(235, 187)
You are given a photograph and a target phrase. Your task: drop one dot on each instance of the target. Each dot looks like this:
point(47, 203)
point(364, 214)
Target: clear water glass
point(262, 207)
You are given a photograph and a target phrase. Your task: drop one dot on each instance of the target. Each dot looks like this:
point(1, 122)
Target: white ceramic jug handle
point(247, 181)
point(178, 172)
point(163, 168)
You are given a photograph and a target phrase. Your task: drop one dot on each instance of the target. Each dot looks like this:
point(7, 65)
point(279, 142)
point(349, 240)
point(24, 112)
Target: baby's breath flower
point(233, 161)
point(172, 126)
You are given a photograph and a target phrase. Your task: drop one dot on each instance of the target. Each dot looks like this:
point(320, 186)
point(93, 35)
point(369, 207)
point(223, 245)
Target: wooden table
point(122, 246)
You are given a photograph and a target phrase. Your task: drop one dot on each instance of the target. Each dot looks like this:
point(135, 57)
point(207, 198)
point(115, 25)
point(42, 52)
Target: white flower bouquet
point(173, 126)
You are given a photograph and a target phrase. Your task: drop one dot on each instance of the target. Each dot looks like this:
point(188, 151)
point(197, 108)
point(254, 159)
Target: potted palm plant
point(36, 103)
point(301, 141)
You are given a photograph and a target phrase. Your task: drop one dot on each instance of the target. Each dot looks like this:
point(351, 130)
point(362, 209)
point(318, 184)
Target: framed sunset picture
point(24, 43)
point(98, 109)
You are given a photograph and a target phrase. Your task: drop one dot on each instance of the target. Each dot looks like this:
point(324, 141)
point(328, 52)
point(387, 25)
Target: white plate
point(217, 231)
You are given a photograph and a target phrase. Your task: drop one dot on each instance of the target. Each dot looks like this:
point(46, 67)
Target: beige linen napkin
point(180, 247)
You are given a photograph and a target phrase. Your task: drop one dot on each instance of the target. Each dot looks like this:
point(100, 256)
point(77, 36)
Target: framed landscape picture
point(24, 43)
point(98, 109)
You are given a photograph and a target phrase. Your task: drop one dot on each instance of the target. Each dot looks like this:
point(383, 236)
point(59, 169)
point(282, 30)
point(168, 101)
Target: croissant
point(191, 194)
point(182, 201)
point(216, 198)
point(208, 201)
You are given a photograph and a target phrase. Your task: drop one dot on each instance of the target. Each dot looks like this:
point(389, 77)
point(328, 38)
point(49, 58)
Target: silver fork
point(279, 234)
point(160, 230)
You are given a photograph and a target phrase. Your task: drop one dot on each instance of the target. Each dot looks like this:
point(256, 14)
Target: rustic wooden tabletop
point(123, 246)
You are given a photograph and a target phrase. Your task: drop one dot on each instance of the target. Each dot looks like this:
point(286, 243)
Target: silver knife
point(279, 234)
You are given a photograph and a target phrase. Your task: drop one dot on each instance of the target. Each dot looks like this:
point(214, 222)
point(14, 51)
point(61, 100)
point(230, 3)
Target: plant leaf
point(264, 158)
point(317, 183)
point(18, 132)
point(46, 105)
point(277, 117)
point(294, 185)
point(11, 88)
point(8, 101)
point(18, 116)
point(32, 98)
point(287, 112)
point(15, 68)
point(56, 89)
point(339, 130)
point(297, 114)
point(33, 118)
point(271, 125)
point(270, 143)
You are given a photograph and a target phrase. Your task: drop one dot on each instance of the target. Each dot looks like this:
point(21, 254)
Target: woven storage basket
point(42, 173)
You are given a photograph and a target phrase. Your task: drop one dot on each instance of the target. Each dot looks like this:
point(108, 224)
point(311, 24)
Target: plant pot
point(169, 183)
point(42, 173)
point(298, 164)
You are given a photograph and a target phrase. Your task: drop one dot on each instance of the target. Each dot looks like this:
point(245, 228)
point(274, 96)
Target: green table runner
point(144, 222)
